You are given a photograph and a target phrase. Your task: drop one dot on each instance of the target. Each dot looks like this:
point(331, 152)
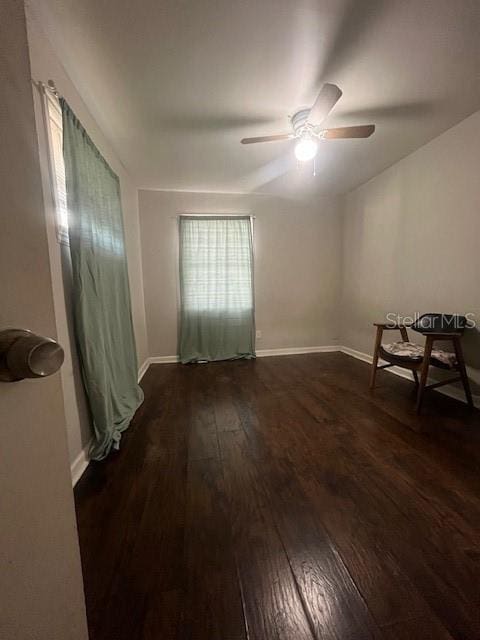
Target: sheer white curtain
point(216, 288)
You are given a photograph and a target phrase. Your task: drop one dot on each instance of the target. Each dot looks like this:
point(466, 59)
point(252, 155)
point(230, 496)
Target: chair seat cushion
point(411, 352)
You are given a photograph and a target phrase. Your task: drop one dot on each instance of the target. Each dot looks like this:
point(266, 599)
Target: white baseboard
point(163, 360)
point(261, 353)
point(143, 369)
point(447, 390)
point(79, 465)
point(357, 354)
point(290, 351)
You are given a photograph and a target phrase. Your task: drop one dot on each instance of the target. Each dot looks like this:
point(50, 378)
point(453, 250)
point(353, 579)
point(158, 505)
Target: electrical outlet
point(258, 334)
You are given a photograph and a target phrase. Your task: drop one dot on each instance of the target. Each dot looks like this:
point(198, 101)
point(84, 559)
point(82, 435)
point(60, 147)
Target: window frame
point(53, 118)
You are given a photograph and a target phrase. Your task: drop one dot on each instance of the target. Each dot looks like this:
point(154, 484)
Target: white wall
point(45, 65)
point(41, 591)
point(297, 265)
point(411, 240)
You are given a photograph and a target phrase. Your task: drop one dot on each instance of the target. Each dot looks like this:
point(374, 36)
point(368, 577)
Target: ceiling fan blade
point(282, 136)
point(328, 97)
point(360, 131)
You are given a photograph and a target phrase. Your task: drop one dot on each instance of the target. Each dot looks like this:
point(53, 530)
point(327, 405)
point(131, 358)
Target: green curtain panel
point(216, 288)
point(101, 294)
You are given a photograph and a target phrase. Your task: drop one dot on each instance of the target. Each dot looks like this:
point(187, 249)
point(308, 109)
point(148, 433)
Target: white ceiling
point(175, 84)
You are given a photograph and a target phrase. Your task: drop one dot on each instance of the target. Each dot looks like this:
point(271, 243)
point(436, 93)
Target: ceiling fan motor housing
point(299, 122)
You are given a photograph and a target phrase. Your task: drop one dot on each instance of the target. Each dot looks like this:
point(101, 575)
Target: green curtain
point(100, 289)
point(216, 288)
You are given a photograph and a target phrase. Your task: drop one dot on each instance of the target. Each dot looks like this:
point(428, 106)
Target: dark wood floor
point(278, 499)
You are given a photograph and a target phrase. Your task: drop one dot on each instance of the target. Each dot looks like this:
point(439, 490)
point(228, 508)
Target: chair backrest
point(440, 323)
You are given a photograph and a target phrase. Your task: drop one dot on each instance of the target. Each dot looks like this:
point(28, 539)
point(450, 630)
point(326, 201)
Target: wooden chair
point(418, 359)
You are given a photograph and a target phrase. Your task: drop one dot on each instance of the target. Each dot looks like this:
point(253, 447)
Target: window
point(57, 167)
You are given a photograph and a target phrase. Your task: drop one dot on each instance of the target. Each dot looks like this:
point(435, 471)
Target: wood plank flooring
point(279, 499)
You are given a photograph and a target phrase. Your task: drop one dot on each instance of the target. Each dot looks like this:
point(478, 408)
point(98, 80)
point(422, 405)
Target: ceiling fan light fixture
point(306, 149)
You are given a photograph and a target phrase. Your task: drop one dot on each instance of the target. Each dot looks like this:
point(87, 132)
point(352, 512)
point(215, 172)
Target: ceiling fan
point(307, 129)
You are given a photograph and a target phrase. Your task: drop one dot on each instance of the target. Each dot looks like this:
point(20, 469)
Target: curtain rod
point(49, 86)
point(215, 215)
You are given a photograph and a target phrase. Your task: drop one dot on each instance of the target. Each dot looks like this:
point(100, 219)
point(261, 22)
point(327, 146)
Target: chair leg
point(463, 371)
point(415, 378)
point(424, 373)
point(378, 342)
